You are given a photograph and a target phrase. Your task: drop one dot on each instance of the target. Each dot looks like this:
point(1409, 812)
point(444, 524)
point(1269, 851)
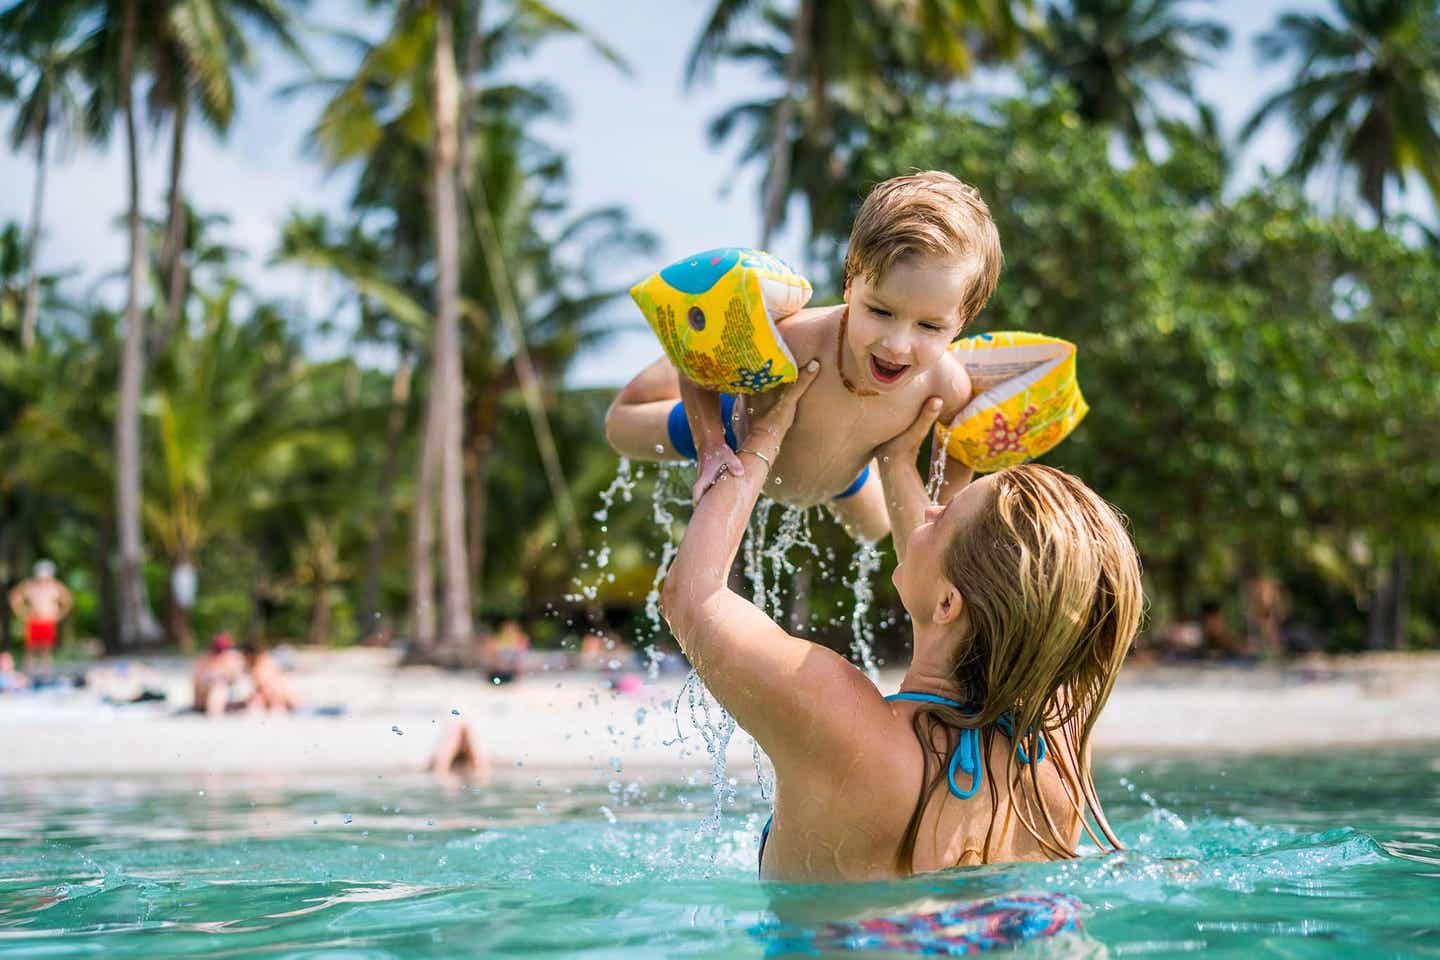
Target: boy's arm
point(957, 473)
point(707, 426)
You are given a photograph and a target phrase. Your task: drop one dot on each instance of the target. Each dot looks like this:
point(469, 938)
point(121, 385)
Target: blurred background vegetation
point(1262, 370)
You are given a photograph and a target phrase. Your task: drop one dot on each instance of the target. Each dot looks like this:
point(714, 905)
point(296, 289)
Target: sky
point(637, 141)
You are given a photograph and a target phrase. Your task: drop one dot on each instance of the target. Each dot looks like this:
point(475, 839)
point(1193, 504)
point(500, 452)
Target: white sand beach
point(393, 718)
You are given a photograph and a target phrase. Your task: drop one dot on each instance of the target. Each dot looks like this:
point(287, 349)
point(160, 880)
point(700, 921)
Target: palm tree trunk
point(375, 561)
point(777, 188)
point(455, 599)
point(177, 616)
point(174, 257)
point(422, 548)
point(530, 386)
point(480, 460)
point(137, 623)
point(32, 254)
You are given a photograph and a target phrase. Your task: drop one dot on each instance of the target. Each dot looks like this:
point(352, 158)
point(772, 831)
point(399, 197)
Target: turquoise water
point(1306, 856)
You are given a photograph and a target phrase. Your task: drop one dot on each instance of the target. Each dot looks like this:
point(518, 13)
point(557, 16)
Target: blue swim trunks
point(684, 441)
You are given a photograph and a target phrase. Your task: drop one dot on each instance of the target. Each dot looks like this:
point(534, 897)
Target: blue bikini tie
point(967, 755)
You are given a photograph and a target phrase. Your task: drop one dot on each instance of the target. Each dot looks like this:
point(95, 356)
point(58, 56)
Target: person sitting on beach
point(10, 678)
point(272, 687)
point(1024, 596)
point(41, 602)
point(215, 672)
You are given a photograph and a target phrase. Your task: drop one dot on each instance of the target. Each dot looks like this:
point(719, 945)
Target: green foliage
point(1260, 375)
point(1365, 94)
point(1114, 55)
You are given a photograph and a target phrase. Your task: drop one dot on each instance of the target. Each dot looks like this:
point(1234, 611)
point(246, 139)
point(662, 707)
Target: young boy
point(923, 259)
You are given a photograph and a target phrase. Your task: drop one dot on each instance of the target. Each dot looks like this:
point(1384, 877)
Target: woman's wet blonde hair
point(1050, 581)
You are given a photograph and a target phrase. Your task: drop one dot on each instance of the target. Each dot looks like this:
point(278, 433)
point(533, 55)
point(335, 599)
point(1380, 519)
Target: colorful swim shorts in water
point(958, 931)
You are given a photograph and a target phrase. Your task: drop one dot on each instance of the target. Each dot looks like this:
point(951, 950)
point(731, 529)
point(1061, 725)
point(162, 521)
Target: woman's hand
point(905, 497)
point(768, 430)
point(905, 446)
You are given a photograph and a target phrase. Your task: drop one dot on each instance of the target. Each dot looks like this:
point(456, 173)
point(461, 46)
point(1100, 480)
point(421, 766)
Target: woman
point(1024, 595)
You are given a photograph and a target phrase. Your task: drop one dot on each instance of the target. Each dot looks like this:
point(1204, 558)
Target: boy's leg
point(863, 512)
point(639, 420)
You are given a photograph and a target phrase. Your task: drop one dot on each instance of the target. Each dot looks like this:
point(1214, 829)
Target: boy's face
point(902, 323)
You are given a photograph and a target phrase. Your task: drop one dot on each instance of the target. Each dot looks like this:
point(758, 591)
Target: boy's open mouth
point(887, 372)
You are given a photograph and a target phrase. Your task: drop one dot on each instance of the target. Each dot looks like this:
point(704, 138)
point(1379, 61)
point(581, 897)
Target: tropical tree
point(47, 60)
point(1116, 54)
point(407, 104)
point(1365, 94)
point(874, 48)
point(235, 410)
point(198, 50)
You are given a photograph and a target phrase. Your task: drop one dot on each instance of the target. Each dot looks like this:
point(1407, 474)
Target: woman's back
point(848, 832)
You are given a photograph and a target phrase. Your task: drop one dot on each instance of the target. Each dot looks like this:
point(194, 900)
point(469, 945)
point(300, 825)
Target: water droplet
point(199, 793)
point(778, 481)
point(429, 823)
point(609, 814)
point(495, 680)
point(659, 448)
point(397, 731)
point(454, 712)
point(364, 834)
point(349, 818)
point(442, 861)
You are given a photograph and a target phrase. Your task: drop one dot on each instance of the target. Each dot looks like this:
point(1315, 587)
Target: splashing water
point(715, 726)
point(667, 480)
point(862, 570)
point(938, 461)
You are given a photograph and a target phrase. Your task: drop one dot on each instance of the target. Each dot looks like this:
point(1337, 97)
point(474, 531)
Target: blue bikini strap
point(967, 754)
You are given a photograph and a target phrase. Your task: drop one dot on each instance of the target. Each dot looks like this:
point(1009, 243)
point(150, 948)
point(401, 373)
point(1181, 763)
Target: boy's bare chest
point(833, 437)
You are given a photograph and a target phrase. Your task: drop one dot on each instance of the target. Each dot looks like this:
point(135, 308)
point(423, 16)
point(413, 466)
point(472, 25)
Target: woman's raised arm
point(767, 679)
point(905, 496)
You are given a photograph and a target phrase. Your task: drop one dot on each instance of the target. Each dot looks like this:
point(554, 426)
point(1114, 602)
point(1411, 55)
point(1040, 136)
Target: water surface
point(1320, 855)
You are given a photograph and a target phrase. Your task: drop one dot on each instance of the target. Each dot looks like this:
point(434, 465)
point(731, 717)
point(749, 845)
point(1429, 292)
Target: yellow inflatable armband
point(1025, 398)
point(715, 315)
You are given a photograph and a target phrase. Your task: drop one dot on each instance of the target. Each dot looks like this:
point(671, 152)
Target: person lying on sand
point(459, 751)
point(1024, 596)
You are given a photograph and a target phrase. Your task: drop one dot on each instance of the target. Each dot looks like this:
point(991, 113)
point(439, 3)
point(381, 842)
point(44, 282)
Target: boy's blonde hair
point(1051, 584)
point(932, 213)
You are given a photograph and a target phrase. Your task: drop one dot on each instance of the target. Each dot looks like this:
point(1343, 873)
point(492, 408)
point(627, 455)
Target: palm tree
point(869, 45)
point(234, 410)
point(48, 95)
point(1114, 53)
point(201, 46)
point(409, 102)
point(1365, 94)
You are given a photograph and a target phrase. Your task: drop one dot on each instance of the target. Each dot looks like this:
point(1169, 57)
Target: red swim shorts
point(39, 635)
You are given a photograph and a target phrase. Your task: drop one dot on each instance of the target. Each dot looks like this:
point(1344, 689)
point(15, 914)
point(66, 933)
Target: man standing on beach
point(41, 602)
